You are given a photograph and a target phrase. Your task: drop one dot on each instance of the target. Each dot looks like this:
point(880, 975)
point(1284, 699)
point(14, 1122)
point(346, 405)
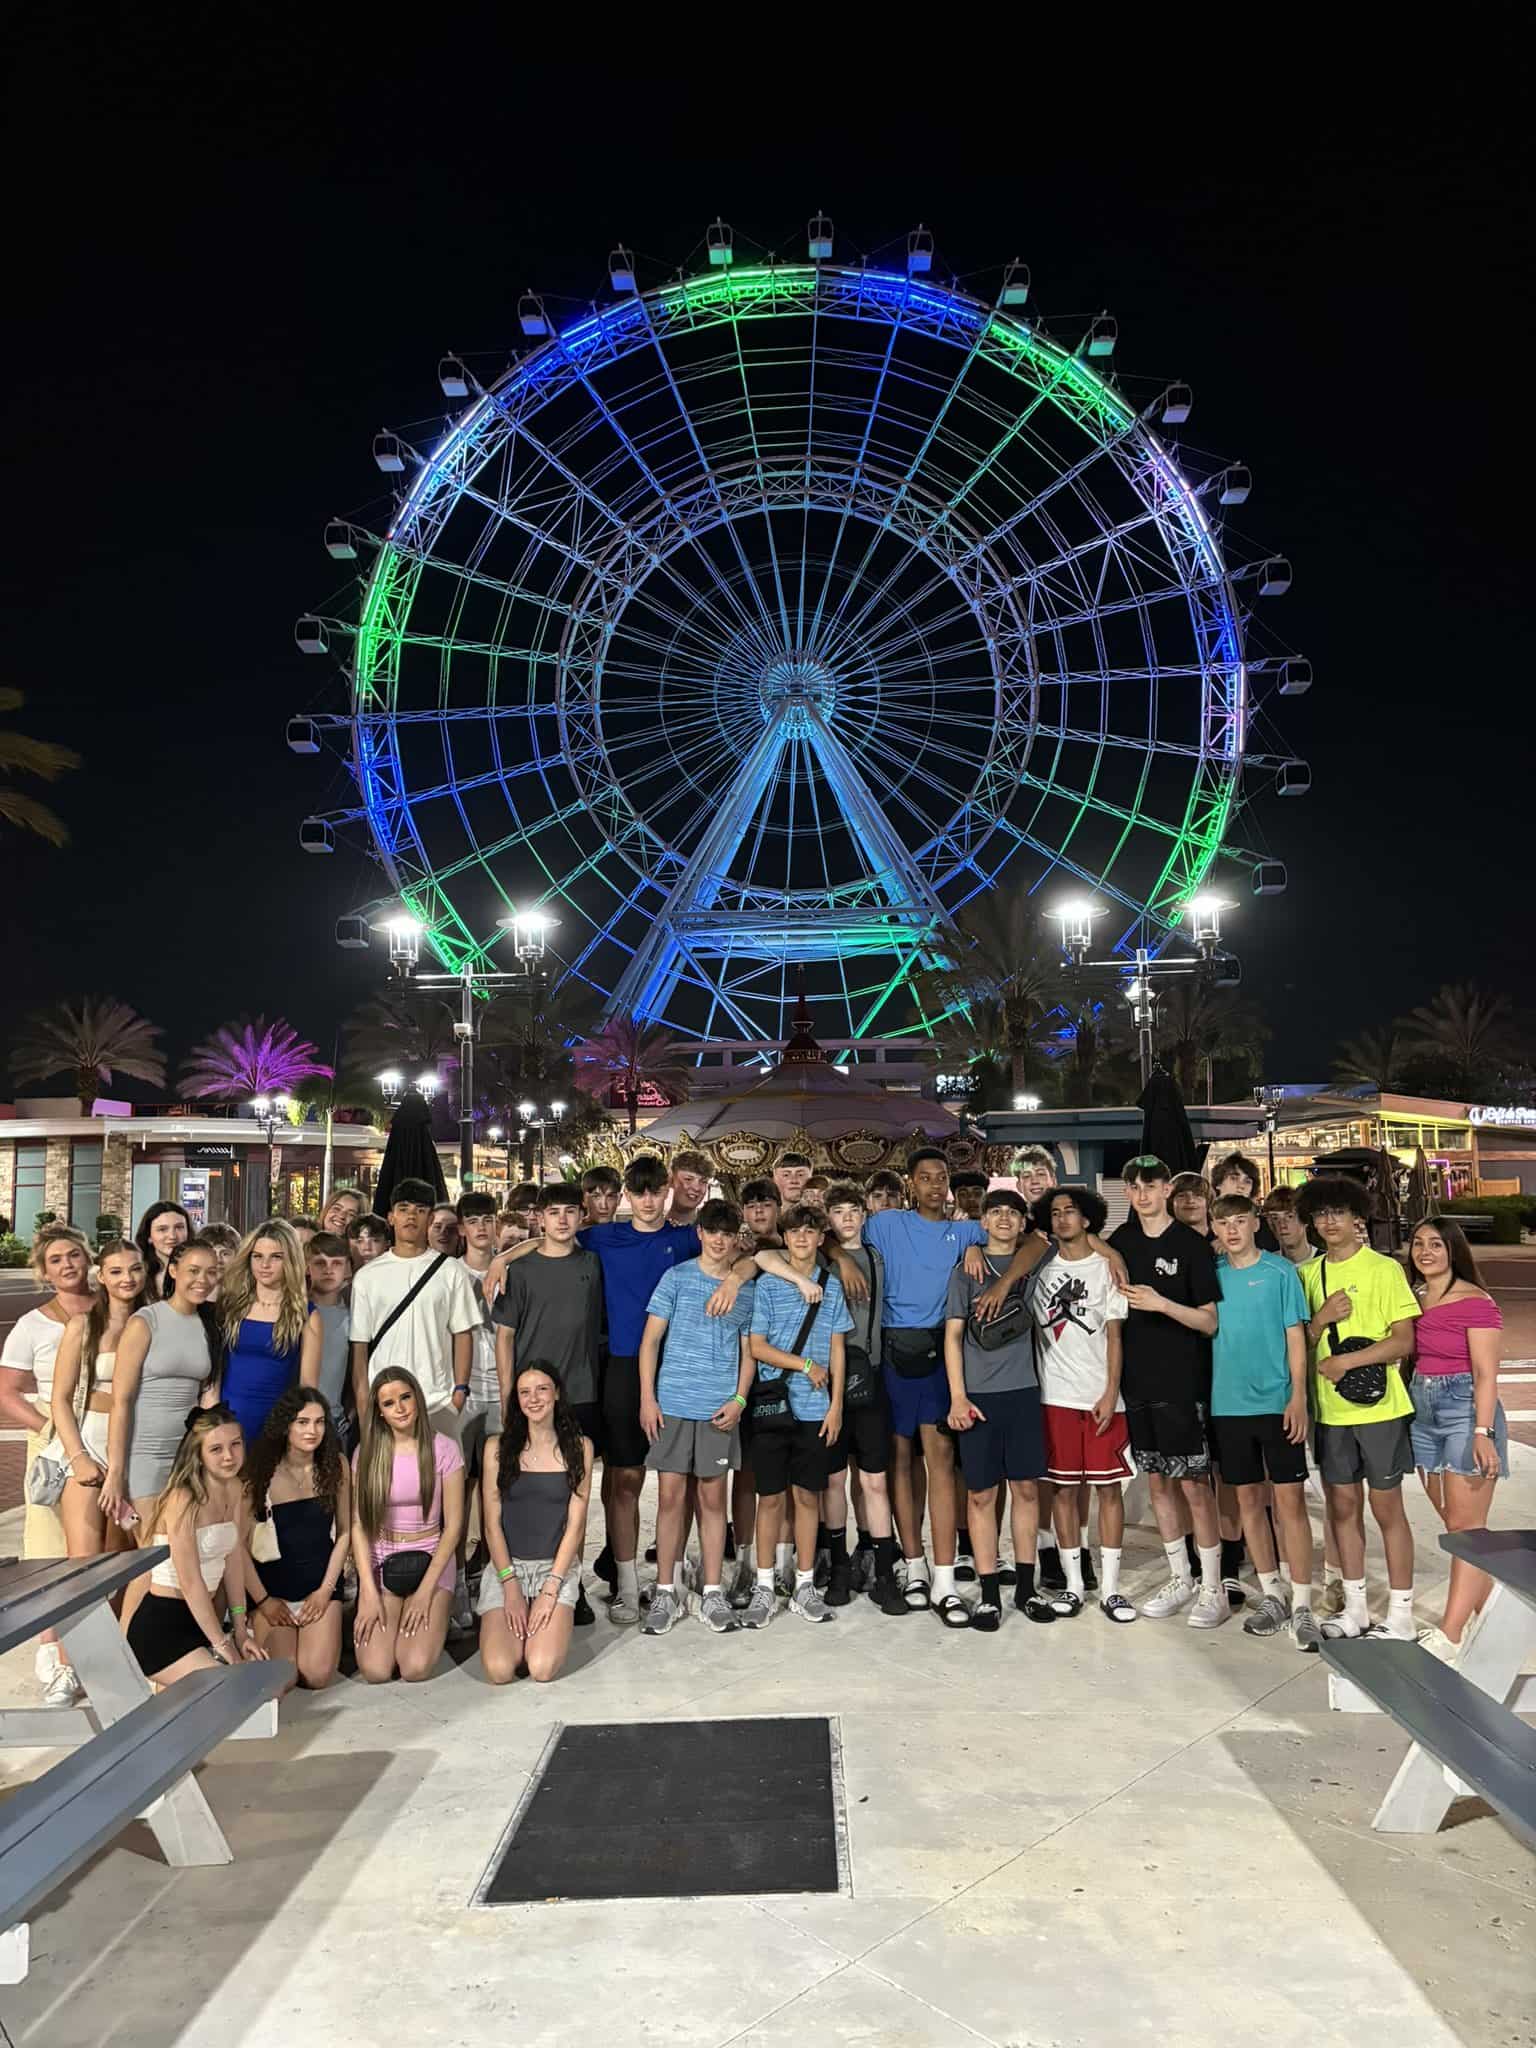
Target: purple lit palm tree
point(245, 1059)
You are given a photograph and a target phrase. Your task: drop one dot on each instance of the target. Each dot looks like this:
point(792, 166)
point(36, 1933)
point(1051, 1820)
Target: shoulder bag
point(1362, 1385)
point(404, 1303)
point(861, 1374)
point(768, 1402)
point(265, 1548)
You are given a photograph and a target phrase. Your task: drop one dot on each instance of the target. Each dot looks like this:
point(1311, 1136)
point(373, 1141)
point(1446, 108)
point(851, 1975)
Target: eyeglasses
point(1331, 1215)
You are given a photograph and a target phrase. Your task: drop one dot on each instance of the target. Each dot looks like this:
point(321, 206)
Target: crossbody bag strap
point(1330, 1330)
point(812, 1310)
point(403, 1304)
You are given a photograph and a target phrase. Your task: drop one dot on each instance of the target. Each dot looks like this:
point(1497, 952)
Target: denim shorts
point(1443, 1415)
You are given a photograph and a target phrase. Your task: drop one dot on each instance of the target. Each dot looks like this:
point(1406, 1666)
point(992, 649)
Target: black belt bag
point(768, 1402)
point(1362, 1385)
point(913, 1354)
point(403, 1572)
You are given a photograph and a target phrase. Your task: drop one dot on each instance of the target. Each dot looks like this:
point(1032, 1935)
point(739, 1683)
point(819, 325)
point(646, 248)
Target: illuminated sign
point(1524, 1119)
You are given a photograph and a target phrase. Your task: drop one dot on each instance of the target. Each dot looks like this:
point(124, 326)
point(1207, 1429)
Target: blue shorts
point(1443, 1416)
point(1010, 1444)
point(916, 1402)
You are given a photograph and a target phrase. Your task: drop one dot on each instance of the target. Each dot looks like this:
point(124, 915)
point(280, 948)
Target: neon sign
point(1524, 1119)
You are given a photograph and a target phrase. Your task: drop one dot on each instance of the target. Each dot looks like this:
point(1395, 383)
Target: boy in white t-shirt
point(1079, 1310)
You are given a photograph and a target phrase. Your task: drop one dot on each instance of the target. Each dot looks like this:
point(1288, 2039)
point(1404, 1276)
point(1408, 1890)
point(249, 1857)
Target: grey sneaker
point(1305, 1633)
point(1210, 1609)
point(1269, 1617)
point(716, 1613)
point(623, 1613)
point(743, 1584)
point(758, 1611)
point(661, 1613)
point(809, 1605)
point(1172, 1598)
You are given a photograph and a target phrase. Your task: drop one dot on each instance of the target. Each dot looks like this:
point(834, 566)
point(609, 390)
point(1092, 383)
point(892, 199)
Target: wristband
point(740, 1399)
point(236, 1612)
point(462, 1387)
point(506, 1574)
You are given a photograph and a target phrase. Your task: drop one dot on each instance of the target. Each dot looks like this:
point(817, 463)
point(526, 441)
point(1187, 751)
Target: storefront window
point(85, 1184)
point(31, 1172)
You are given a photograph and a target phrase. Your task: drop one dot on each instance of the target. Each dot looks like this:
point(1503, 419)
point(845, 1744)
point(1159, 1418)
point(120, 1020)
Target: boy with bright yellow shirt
point(1360, 1298)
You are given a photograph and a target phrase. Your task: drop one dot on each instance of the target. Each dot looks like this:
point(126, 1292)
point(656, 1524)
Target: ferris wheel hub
point(793, 686)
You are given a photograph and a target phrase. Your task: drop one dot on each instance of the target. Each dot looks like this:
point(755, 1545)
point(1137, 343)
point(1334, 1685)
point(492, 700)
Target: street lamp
point(393, 1084)
point(530, 930)
point(1147, 968)
point(1076, 921)
point(498, 1135)
point(1205, 922)
point(404, 943)
point(270, 1111)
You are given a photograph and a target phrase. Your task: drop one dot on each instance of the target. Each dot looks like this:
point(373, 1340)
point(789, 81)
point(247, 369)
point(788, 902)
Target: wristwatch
point(1480, 1431)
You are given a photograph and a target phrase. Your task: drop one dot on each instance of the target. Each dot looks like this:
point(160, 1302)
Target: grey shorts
point(1380, 1453)
point(697, 1448)
point(531, 1574)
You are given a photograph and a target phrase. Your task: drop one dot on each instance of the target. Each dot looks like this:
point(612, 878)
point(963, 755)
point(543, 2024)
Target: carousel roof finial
point(800, 1048)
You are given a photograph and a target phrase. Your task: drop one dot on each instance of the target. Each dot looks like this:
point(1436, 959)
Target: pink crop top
point(1441, 1333)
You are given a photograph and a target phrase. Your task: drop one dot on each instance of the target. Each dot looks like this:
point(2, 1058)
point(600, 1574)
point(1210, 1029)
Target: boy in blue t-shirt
point(692, 1394)
point(1258, 1420)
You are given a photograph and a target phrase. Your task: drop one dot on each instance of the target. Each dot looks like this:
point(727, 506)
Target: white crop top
point(214, 1543)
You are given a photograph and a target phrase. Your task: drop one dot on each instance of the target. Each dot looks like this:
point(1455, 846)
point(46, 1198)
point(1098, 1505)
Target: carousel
point(844, 1125)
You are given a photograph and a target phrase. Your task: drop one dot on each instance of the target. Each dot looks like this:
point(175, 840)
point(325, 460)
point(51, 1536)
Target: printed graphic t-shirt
point(1075, 1302)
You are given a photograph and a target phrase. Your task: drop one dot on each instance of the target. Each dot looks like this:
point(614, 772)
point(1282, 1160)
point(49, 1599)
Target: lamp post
point(1141, 970)
point(498, 1135)
point(270, 1111)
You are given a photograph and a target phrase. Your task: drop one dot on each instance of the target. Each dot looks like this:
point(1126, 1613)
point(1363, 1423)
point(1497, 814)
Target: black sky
point(232, 260)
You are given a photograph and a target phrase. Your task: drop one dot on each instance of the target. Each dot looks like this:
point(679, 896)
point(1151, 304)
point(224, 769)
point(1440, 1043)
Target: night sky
point(231, 264)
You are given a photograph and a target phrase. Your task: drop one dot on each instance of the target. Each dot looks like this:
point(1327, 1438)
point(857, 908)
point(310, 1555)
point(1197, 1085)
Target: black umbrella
point(410, 1153)
point(1165, 1126)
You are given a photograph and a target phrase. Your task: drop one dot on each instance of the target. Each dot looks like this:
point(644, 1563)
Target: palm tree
point(974, 1041)
point(1375, 1057)
point(244, 1059)
point(631, 1054)
point(1196, 1023)
point(20, 755)
point(90, 1041)
point(1469, 1032)
point(406, 1027)
point(999, 956)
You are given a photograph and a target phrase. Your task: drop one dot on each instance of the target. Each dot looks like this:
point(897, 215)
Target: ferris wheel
point(754, 624)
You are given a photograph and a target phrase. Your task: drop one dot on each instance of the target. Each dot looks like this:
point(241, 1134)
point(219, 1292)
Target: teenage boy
point(1359, 1296)
point(692, 1395)
point(797, 1458)
point(994, 1411)
point(600, 1191)
point(551, 1308)
point(690, 1187)
point(1259, 1414)
point(920, 1247)
point(759, 1232)
point(1079, 1313)
point(367, 1239)
point(1290, 1233)
point(884, 1190)
point(1237, 1175)
point(866, 1434)
point(525, 1206)
point(329, 1273)
point(443, 1230)
point(1034, 1173)
point(790, 1175)
point(1172, 1298)
point(476, 1213)
point(760, 1208)
point(969, 1191)
point(815, 1192)
point(429, 1307)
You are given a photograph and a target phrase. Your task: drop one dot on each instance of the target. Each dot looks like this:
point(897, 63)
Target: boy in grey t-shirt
point(994, 1410)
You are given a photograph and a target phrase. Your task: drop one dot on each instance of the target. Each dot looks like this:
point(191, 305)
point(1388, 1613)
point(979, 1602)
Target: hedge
point(1509, 1212)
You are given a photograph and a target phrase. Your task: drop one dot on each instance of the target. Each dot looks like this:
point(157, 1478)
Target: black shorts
point(162, 1632)
point(1010, 1444)
point(1169, 1437)
point(790, 1457)
point(589, 1415)
point(625, 1443)
point(865, 1437)
point(1249, 1449)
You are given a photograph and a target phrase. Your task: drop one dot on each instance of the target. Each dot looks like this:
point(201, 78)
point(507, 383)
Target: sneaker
point(887, 1595)
point(64, 1688)
point(1171, 1598)
point(1052, 1573)
point(1269, 1617)
point(584, 1617)
point(1438, 1643)
point(661, 1613)
point(623, 1613)
point(1332, 1601)
point(1237, 1595)
point(717, 1614)
point(809, 1605)
point(1117, 1607)
point(743, 1584)
point(1090, 1576)
point(1384, 1632)
point(1210, 1609)
point(839, 1589)
point(758, 1611)
point(1305, 1633)
point(987, 1616)
point(1343, 1628)
point(46, 1663)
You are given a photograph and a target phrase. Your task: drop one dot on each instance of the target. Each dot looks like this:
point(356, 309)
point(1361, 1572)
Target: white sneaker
point(1211, 1608)
point(63, 1689)
point(1170, 1599)
point(46, 1663)
point(1439, 1644)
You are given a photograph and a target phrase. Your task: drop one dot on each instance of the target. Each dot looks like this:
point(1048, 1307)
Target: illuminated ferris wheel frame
point(749, 677)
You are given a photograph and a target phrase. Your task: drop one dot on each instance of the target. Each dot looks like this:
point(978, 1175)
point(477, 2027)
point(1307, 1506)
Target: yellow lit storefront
point(1314, 1125)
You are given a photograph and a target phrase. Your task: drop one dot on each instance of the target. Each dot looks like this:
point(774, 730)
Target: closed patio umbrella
point(409, 1153)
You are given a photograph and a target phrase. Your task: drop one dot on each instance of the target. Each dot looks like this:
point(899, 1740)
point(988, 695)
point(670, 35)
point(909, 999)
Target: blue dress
point(255, 1374)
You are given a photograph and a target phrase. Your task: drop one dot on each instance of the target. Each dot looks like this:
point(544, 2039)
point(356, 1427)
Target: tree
point(1196, 1023)
point(1375, 1057)
point(999, 956)
point(630, 1054)
point(20, 755)
point(250, 1058)
point(1098, 1054)
point(1471, 1034)
point(406, 1027)
point(90, 1041)
point(974, 1041)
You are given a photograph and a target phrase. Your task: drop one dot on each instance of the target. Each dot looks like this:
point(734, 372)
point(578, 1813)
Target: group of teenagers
point(398, 1418)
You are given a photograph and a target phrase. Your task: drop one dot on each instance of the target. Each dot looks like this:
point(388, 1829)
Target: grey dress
point(175, 1367)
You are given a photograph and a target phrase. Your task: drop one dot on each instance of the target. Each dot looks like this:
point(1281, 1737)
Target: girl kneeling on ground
point(533, 1507)
point(301, 1497)
point(178, 1626)
point(407, 1516)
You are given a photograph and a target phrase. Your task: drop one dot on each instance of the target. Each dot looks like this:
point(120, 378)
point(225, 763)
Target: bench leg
point(182, 1821)
point(15, 1953)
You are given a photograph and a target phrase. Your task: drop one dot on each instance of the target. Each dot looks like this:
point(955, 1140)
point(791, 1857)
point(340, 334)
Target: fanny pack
point(913, 1354)
point(768, 1402)
point(403, 1571)
point(1009, 1324)
point(1363, 1385)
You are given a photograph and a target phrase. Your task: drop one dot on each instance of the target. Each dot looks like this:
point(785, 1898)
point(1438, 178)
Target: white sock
point(1301, 1596)
point(1400, 1612)
point(803, 1578)
point(765, 1576)
point(1046, 1540)
point(917, 1567)
point(1072, 1565)
point(629, 1580)
point(1269, 1582)
point(943, 1581)
point(1178, 1558)
point(784, 1557)
point(1109, 1572)
point(1354, 1601)
point(1210, 1568)
point(710, 1589)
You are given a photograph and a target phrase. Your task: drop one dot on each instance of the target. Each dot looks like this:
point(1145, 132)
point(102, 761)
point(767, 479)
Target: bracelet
point(740, 1399)
point(508, 1573)
point(236, 1612)
point(462, 1387)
